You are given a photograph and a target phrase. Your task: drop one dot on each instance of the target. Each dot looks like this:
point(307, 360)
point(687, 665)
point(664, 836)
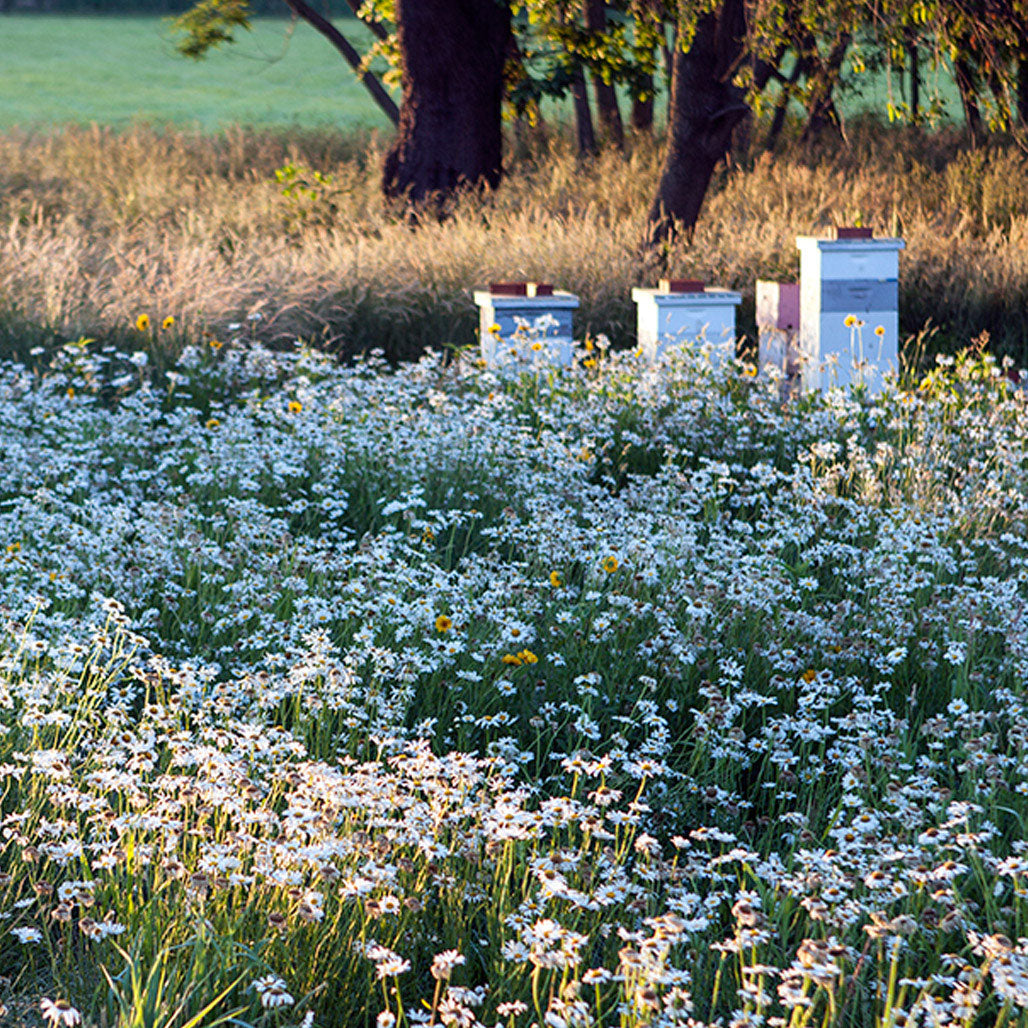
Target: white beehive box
point(548, 338)
point(670, 315)
point(778, 324)
point(840, 278)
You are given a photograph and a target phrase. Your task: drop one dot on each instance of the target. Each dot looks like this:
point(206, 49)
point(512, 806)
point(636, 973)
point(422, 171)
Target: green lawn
point(119, 69)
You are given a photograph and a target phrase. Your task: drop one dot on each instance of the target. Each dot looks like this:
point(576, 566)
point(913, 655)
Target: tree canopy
point(462, 64)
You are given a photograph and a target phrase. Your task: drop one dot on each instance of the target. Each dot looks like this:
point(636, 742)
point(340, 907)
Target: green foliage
point(208, 24)
point(310, 196)
point(553, 42)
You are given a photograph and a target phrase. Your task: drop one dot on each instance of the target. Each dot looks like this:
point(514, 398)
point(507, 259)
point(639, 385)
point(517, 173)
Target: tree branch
point(303, 10)
point(376, 27)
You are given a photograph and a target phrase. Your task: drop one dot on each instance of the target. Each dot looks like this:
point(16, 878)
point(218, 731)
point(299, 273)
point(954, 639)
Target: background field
point(115, 70)
point(119, 69)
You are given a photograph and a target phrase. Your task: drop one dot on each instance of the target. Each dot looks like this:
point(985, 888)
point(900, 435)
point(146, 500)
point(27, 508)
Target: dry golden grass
point(98, 226)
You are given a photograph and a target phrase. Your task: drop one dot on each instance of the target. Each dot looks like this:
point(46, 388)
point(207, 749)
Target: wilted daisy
point(444, 963)
point(272, 992)
point(59, 1012)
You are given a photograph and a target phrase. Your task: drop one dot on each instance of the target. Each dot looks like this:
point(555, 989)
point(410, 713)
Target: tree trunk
point(705, 108)
point(529, 124)
point(584, 130)
point(668, 51)
point(450, 135)
point(822, 117)
point(1022, 90)
point(644, 85)
point(595, 14)
point(915, 81)
point(967, 86)
point(642, 109)
point(782, 106)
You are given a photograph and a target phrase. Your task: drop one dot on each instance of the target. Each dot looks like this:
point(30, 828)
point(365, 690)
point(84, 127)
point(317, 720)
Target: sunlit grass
point(98, 227)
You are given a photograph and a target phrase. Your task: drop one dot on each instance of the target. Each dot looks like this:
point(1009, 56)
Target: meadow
point(345, 682)
point(616, 695)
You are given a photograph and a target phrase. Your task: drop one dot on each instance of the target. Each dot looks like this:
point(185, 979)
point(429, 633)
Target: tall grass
point(98, 226)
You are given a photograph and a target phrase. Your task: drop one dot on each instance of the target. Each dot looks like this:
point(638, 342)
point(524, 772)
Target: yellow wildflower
point(216, 344)
point(295, 406)
point(143, 322)
point(851, 320)
point(510, 658)
point(443, 623)
point(528, 657)
point(555, 580)
point(880, 331)
point(212, 423)
point(168, 322)
point(809, 675)
point(610, 564)
point(71, 393)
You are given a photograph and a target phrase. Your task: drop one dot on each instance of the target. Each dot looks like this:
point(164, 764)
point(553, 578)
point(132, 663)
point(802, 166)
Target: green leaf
point(208, 24)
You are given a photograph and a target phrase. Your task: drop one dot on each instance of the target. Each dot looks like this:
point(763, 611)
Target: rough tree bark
point(611, 126)
point(452, 56)
point(705, 108)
